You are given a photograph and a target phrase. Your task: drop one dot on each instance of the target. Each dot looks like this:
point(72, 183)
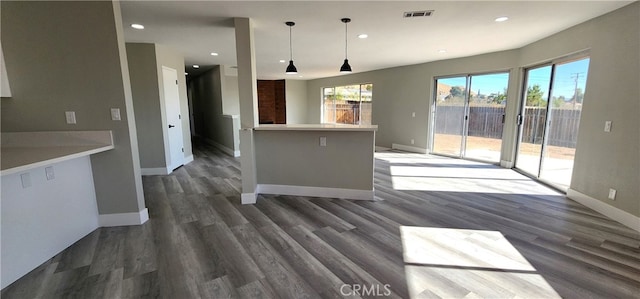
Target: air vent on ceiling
point(415, 14)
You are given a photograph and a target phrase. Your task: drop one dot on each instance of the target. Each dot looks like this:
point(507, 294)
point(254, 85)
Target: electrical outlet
point(413, 141)
point(413, 114)
point(607, 126)
point(323, 141)
point(49, 172)
point(26, 180)
point(612, 194)
point(115, 114)
point(71, 117)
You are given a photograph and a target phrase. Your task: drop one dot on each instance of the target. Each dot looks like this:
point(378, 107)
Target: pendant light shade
point(291, 69)
point(345, 68)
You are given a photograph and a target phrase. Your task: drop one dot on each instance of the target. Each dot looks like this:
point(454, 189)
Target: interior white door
point(172, 111)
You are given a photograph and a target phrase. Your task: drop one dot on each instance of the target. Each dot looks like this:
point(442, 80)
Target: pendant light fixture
point(291, 69)
point(345, 68)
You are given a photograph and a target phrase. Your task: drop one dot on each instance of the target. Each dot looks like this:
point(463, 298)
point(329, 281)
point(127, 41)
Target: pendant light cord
point(345, 40)
point(290, 47)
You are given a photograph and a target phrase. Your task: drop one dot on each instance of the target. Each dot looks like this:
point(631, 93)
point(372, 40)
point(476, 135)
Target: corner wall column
point(248, 97)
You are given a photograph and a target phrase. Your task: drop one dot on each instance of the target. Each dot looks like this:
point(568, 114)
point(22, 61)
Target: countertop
point(22, 151)
point(316, 127)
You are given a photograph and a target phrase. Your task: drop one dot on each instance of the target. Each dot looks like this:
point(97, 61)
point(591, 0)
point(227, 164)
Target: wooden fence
point(488, 122)
point(348, 113)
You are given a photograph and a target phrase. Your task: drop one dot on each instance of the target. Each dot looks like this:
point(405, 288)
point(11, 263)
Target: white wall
point(230, 99)
point(296, 101)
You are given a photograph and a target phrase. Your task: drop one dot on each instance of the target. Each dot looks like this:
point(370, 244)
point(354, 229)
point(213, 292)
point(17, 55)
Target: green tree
point(457, 92)
point(498, 98)
point(535, 96)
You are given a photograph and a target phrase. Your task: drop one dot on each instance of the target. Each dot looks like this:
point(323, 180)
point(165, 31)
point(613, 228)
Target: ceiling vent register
point(421, 13)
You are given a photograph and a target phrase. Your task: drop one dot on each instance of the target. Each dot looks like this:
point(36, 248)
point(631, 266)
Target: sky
point(564, 82)
point(565, 77)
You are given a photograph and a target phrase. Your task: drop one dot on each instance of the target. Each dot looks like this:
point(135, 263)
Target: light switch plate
point(115, 114)
point(26, 180)
point(71, 117)
point(323, 141)
point(607, 126)
point(612, 194)
point(49, 172)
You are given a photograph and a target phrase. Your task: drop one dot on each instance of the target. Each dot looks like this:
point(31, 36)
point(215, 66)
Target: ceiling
point(197, 28)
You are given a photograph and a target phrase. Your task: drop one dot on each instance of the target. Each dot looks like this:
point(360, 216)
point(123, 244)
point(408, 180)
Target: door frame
point(465, 119)
point(584, 54)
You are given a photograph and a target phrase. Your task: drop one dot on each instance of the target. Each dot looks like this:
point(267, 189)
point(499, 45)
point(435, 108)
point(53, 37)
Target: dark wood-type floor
point(442, 228)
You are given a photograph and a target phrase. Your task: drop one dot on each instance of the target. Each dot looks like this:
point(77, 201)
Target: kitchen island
point(319, 160)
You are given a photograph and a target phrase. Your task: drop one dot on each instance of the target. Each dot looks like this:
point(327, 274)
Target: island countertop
point(22, 151)
point(316, 127)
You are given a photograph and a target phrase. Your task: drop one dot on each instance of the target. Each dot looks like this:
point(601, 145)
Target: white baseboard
point(408, 148)
point(155, 171)
point(188, 159)
point(225, 149)
point(506, 164)
point(248, 198)
point(610, 211)
point(122, 219)
point(315, 191)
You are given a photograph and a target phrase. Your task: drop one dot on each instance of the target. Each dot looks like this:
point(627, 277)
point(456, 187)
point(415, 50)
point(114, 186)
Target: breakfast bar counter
point(320, 160)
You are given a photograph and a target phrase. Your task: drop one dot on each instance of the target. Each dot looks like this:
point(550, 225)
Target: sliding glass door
point(469, 116)
point(450, 103)
point(550, 119)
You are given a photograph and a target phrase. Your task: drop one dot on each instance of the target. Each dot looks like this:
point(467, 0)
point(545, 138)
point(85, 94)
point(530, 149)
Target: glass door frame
point(465, 119)
point(521, 111)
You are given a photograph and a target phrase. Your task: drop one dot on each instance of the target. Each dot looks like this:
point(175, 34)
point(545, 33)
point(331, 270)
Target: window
point(350, 104)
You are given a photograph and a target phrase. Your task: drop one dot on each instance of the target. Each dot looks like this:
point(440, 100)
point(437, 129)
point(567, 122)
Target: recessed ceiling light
point(442, 51)
point(363, 35)
point(214, 54)
point(282, 61)
point(137, 26)
point(501, 19)
point(195, 66)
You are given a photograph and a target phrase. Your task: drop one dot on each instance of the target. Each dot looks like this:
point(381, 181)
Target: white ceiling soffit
point(197, 28)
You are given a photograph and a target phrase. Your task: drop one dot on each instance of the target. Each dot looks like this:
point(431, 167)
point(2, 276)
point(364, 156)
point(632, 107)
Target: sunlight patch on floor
point(419, 172)
point(456, 263)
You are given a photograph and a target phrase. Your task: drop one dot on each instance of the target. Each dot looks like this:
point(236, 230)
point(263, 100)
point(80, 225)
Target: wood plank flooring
point(442, 228)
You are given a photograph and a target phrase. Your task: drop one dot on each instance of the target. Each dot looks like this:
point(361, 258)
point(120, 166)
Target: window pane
point(328, 100)
point(451, 95)
point(534, 117)
point(344, 104)
point(487, 102)
point(565, 107)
